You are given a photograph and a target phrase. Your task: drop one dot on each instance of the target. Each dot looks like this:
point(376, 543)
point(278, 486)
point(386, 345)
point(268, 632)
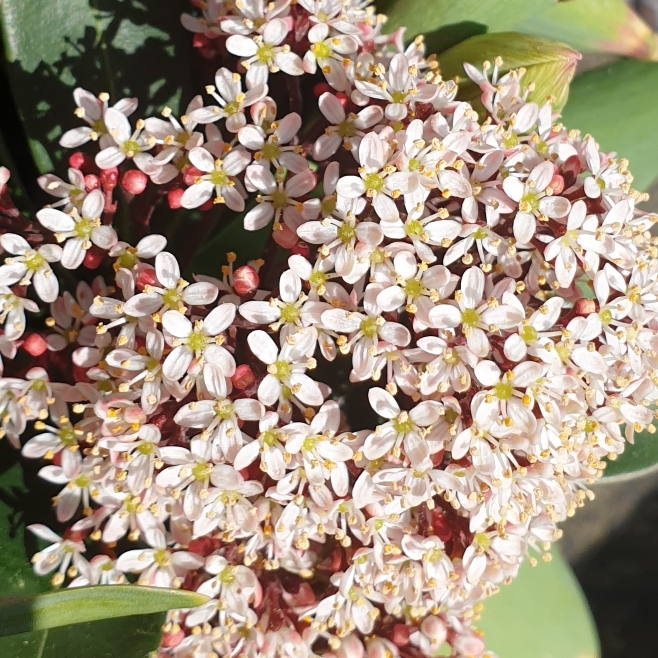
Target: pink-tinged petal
point(454, 183)
point(117, 125)
point(472, 286)
point(332, 108)
point(591, 187)
point(241, 46)
point(289, 63)
point(233, 199)
point(261, 179)
point(55, 220)
point(288, 127)
point(591, 362)
point(369, 117)
point(487, 373)
point(383, 403)
point(384, 207)
point(391, 298)
point(236, 161)
point(176, 324)
point(258, 217)
point(275, 32)
point(554, 207)
point(377, 445)
point(326, 145)
point(142, 305)
point(202, 159)
point(301, 184)
point(372, 152)
point(110, 157)
point(252, 137)
point(577, 215)
point(317, 233)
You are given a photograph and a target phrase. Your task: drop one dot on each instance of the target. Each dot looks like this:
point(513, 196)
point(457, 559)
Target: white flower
point(101, 570)
point(70, 194)
point(346, 129)
point(286, 368)
point(158, 566)
point(268, 446)
point(93, 111)
point(173, 294)
point(403, 429)
point(12, 313)
point(534, 201)
point(227, 91)
point(129, 257)
point(280, 200)
point(128, 143)
point(79, 230)
point(30, 266)
point(401, 88)
point(264, 53)
point(328, 51)
point(219, 178)
point(451, 367)
point(201, 341)
point(58, 555)
point(253, 16)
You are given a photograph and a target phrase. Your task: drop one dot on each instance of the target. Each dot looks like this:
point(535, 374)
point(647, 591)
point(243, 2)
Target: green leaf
point(87, 604)
point(127, 48)
point(128, 637)
point(445, 23)
point(596, 26)
point(638, 459)
point(542, 614)
point(618, 105)
point(549, 65)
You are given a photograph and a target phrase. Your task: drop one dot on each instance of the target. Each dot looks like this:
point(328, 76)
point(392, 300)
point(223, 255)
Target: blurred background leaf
point(595, 26)
point(542, 614)
point(618, 105)
point(549, 65)
point(638, 459)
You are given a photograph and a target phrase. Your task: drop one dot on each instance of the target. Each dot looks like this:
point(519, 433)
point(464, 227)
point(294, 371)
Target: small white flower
point(30, 266)
point(12, 313)
point(70, 194)
point(328, 51)
point(79, 230)
point(58, 555)
point(128, 143)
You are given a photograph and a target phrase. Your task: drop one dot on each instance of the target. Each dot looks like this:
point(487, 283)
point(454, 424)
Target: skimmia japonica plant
point(482, 283)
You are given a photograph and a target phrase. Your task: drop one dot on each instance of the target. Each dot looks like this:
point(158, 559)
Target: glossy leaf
point(87, 604)
point(549, 65)
point(542, 614)
point(445, 23)
point(596, 26)
point(638, 459)
point(125, 48)
point(618, 105)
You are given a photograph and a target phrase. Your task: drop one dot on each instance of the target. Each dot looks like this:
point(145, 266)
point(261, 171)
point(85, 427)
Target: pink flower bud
point(92, 182)
point(243, 377)
point(301, 249)
point(35, 345)
point(78, 160)
point(350, 647)
point(285, 237)
point(321, 88)
point(109, 178)
point(585, 307)
point(434, 629)
point(471, 645)
point(400, 635)
point(245, 281)
point(146, 277)
point(190, 175)
point(134, 181)
point(172, 640)
point(93, 258)
point(174, 197)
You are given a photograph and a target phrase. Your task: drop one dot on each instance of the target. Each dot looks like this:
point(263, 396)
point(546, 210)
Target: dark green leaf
point(618, 105)
point(549, 65)
point(596, 26)
point(88, 604)
point(129, 637)
point(542, 614)
point(123, 47)
point(445, 23)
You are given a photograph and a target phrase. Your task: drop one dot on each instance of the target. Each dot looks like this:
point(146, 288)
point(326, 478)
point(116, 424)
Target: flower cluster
point(488, 283)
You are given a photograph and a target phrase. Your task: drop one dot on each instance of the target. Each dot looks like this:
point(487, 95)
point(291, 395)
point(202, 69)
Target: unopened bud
point(82, 162)
point(134, 181)
point(301, 249)
point(350, 647)
point(285, 237)
point(35, 345)
point(146, 277)
point(174, 197)
point(173, 639)
point(243, 377)
point(92, 182)
point(400, 635)
point(585, 307)
point(190, 175)
point(93, 258)
point(434, 629)
point(321, 88)
point(557, 184)
point(109, 178)
point(245, 281)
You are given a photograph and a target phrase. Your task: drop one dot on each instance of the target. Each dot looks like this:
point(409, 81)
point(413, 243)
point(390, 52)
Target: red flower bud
point(173, 198)
point(190, 175)
point(35, 345)
point(134, 181)
point(200, 41)
point(172, 640)
point(82, 162)
point(321, 88)
point(344, 100)
point(92, 182)
point(206, 206)
point(400, 635)
point(301, 249)
point(93, 258)
point(584, 307)
point(109, 178)
point(146, 277)
point(245, 281)
point(243, 377)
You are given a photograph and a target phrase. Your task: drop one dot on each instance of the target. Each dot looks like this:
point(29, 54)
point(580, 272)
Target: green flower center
point(327, 206)
point(127, 260)
point(374, 183)
point(503, 391)
point(161, 557)
point(606, 317)
point(309, 443)
point(480, 234)
point(84, 228)
point(346, 233)
point(270, 151)
point(470, 318)
point(402, 424)
point(413, 288)
point(369, 328)
point(321, 50)
point(346, 129)
point(563, 352)
point(68, 437)
point(219, 178)
point(269, 438)
point(414, 165)
point(35, 261)
point(317, 279)
point(172, 298)
point(541, 148)
point(414, 229)
point(529, 202)
point(290, 313)
point(279, 199)
point(450, 416)
point(451, 357)
point(232, 108)
point(482, 540)
point(145, 448)
point(99, 127)
point(152, 364)
point(433, 555)
point(398, 96)
point(377, 257)
point(265, 54)
point(130, 148)
point(197, 342)
point(510, 141)
point(226, 577)
point(224, 410)
point(82, 481)
point(528, 334)
point(282, 370)
point(201, 471)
